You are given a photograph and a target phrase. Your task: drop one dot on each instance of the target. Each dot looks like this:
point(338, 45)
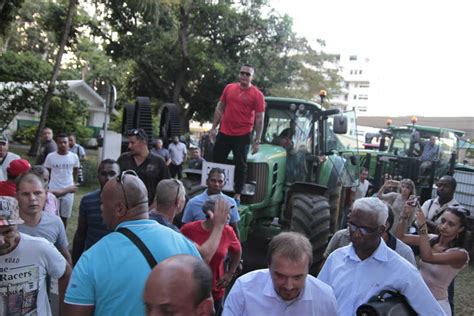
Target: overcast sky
point(422, 51)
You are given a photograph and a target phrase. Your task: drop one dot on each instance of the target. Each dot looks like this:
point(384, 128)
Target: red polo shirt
point(240, 108)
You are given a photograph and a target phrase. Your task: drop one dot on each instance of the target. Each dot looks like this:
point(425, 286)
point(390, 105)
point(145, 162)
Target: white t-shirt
point(361, 190)
point(23, 276)
point(6, 163)
point(62, 167)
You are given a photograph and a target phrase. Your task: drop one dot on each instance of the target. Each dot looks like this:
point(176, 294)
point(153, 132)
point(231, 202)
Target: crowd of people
point(132, 255)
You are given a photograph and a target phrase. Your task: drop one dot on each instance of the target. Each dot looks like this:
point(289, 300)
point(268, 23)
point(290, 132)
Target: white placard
point(228, 170)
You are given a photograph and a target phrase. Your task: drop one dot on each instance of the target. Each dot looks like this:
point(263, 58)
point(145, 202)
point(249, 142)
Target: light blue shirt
point(354, 281)
point(254, 294)
point(111, 275)
point(193, 210)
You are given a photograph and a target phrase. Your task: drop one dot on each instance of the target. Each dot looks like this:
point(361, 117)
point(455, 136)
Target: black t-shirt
point(47, 148)
point(151, 171)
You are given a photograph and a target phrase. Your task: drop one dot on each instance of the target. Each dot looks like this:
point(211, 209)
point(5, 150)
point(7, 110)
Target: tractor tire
point(128, 118)
point(169, 122)
point(310, 216)
point(143, 117)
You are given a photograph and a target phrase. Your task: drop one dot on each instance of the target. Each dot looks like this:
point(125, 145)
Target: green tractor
point(400, 156)
point(298, 180)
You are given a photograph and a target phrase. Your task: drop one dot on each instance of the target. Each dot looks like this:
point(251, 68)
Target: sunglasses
point(136, 132)
point(461, 210)
point(121, 180)
point(244, 73)
point(178, 190)
point(362, 230)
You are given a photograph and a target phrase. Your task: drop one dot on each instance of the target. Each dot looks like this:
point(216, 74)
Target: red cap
point(18, 167)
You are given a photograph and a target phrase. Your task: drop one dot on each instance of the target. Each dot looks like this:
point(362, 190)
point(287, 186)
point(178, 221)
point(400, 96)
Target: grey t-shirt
point(50, 227)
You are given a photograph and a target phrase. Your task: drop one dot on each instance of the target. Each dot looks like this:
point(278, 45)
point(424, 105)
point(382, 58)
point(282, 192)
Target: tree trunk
point(2, 4)
point(35, 146)
point(181, 76)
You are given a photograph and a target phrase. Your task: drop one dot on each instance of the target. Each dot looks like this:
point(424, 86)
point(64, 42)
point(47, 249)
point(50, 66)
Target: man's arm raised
point(219, 220)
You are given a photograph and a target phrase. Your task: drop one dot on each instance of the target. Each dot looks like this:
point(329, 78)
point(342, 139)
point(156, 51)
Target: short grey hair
point(211, 202)
point(166, 191)
point(374, 206)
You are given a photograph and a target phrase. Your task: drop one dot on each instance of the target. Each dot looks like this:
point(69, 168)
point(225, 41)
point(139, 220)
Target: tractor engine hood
point(266, 153)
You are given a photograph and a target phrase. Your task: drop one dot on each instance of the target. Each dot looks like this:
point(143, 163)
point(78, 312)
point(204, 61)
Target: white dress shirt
point(354, 281)
point(253, 294)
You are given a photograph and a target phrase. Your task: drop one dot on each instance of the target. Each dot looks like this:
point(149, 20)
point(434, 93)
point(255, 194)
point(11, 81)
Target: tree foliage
point(192, 49)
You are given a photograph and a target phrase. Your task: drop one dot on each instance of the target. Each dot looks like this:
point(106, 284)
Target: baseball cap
point(9, 211)
point(18, 167)
point(3, 139)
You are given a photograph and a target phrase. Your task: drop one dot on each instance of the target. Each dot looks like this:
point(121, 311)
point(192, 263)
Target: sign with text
point(228, 170)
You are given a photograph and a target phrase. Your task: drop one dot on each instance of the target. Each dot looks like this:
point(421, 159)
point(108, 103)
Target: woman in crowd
point(397, 200)
point(442, 255)
point(199, 232)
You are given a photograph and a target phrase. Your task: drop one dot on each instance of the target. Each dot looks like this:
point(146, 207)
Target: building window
point(355, 96)
point(353, 57)
point(360, 72)
point(352, 72)
point(363, 97)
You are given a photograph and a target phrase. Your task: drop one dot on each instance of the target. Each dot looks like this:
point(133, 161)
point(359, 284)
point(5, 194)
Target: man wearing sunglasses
point(150, 168)
point(240, 108)
point(110, 277)
point(367, 266)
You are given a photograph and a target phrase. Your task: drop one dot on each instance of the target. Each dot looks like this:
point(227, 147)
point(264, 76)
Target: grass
point(464, 286)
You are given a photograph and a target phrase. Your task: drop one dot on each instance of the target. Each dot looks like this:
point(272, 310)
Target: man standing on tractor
point(430, 154)
point(241, 106)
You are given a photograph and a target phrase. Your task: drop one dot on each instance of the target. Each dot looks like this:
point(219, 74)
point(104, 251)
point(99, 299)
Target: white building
point(355, 92)
point(95, 105)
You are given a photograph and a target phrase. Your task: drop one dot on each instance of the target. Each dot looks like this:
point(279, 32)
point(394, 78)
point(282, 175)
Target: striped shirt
point(90, 209)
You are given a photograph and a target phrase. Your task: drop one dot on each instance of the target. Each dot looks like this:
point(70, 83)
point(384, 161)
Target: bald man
point(109, 278)
point(194, 299)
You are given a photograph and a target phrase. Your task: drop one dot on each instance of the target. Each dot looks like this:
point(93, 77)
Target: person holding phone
point(442, 255)
point(404, 189)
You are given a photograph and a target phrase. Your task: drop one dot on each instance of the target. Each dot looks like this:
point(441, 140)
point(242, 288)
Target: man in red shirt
point(200, 232)
point(241, 106)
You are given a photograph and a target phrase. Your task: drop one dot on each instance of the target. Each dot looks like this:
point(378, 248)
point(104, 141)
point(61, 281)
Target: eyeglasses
point(121, 179)
point(362, 230)
point(244, 73)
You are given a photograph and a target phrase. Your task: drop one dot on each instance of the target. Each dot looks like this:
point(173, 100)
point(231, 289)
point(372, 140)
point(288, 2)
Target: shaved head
point(124, 197)
point(164, 291)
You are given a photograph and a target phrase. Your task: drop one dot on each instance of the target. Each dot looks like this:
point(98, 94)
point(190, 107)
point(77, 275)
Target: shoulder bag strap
point(140, 245)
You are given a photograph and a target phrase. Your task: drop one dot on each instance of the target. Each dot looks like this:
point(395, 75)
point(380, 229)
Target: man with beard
point(285, 288)
point(434, 208)
point(240, 108)
point(150, 168)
